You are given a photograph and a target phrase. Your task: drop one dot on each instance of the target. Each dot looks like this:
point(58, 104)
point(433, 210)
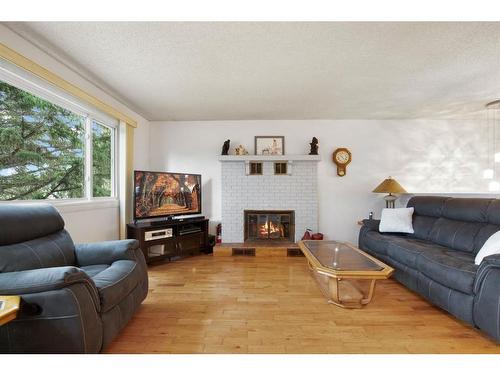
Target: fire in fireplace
point(269, 225)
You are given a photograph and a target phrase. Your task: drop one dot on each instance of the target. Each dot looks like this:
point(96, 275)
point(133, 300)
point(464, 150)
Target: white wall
point(91, 223)
point(141, 145)
point(428, 156)
point(95, 222)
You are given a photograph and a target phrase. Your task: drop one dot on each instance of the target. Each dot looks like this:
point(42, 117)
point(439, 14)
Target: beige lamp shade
point(391, 186)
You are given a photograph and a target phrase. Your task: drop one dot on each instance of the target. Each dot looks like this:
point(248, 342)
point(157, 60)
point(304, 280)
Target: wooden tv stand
point(185, 238)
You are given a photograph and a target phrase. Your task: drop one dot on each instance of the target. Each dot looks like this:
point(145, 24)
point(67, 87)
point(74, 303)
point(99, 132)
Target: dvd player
point(188, 229)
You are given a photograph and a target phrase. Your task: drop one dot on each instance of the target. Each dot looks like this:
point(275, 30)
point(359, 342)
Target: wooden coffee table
point(9, 306)
point(345, 274)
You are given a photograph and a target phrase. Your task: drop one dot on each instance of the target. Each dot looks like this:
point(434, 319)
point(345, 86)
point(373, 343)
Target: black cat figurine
point(225, 147)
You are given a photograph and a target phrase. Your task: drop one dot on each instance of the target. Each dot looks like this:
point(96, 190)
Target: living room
point(293, 187)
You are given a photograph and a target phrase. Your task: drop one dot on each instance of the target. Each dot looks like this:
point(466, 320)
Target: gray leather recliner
point(437, 261)
point(83, 295)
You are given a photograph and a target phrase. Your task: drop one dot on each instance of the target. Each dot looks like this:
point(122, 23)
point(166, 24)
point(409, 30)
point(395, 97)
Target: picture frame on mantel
point(269, 145)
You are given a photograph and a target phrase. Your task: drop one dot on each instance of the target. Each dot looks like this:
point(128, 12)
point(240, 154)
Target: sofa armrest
point(59, 313)
point(488, 263)
point(106, 252)
point(491, 260)
point(41, 280)
point(486, 314)
point(367, 227)
point(371, 224)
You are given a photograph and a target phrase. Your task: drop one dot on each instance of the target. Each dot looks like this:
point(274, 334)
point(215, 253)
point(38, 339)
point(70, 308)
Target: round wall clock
point(342, 156)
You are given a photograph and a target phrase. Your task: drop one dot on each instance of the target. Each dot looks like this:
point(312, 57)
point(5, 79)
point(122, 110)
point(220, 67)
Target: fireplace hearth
point(269, 225)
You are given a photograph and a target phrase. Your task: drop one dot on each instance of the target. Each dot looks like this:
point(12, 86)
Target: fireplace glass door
point(269, 225)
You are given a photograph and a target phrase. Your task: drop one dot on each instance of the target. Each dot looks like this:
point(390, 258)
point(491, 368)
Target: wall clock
point(342, 157)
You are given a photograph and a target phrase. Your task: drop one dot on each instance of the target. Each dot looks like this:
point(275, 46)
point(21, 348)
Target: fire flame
point(271, 228)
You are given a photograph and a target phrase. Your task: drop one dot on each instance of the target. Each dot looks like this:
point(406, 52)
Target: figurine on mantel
point(240, 150)
point(225, 147)
point(314, 146)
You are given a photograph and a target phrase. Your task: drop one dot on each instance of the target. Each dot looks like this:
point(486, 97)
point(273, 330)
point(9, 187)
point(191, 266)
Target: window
point(255, 168)
point(45, 150)
point(280, 168)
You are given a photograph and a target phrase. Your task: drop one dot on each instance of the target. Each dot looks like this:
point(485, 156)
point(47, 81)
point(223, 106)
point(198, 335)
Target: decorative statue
point(240, 150)
point(225, 147)
point(314, 146)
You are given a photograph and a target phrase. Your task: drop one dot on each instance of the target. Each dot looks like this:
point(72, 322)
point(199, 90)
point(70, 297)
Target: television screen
point(165, 194)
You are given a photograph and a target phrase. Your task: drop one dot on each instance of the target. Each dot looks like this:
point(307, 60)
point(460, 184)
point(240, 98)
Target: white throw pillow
point(396, 220)
point(490, 247)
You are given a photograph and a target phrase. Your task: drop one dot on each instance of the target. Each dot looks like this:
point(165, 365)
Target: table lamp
point(391, 186)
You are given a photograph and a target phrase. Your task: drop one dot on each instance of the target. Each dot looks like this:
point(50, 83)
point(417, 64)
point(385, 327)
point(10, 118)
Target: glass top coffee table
point(345, 274)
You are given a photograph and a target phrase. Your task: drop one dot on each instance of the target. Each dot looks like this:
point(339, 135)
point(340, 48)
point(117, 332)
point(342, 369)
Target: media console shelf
point(171, 239)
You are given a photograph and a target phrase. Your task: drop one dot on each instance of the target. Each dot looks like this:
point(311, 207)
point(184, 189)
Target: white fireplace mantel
point(247, 158)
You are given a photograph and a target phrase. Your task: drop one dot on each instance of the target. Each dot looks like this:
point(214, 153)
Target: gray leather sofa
point(437, 261)
point(77, 298)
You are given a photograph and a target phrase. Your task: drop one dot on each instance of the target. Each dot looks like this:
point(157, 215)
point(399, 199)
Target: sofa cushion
point(493, 213)
point(451, 268)
point(115, 282)
point(26, 221)
point(422, 226)
point(53, 250)
point(458, 235)
point(427, 206)
point(490, 247)
point(407, 250)
point(482, 236)
point(94, 269)
point(467, 209)
point(378, 242)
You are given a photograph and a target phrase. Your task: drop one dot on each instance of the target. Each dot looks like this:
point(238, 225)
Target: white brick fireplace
point(297, 191)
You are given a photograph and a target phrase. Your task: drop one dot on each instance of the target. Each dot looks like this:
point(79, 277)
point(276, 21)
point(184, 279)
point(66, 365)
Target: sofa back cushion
point(422, 226)
point(454, 234)
point(482, 236)
point(33, 236)
point(426, 211)
point(458, 223)
point(55, 250)
point(24, 222)
point(493, 225)
point(473, 210)
point(461, 221)
point(493, 214)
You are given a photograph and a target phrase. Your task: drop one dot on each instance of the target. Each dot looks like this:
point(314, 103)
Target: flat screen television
point(163, 194)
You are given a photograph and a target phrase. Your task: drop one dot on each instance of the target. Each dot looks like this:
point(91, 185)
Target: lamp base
point(390, 201)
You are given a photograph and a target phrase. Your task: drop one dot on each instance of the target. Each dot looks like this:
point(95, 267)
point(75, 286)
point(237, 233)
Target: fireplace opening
point(269, 225)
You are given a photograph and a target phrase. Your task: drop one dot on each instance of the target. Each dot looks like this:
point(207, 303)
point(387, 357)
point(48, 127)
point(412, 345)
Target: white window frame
point(114, 157)
point(28, 82)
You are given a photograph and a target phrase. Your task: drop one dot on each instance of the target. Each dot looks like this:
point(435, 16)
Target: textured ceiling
point(283, 70)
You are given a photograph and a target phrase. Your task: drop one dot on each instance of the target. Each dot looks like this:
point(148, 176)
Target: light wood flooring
point(208, 304)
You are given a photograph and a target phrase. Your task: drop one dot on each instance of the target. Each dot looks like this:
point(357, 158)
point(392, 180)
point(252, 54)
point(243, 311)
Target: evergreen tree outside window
point(42, 150)
point(102, 160)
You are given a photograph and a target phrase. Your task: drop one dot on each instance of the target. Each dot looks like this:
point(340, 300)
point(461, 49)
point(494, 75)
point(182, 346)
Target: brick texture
point(298, 192)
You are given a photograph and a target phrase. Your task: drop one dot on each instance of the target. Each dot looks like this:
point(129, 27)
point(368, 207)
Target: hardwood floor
point(211, 304)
